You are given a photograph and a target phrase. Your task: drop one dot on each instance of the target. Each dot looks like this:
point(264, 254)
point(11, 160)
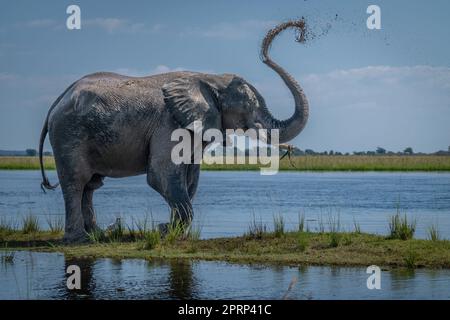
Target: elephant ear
point(192, 99)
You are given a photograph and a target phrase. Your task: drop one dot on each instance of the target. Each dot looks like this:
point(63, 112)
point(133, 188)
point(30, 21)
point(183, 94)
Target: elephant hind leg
point(87, 205)
point(72, 189)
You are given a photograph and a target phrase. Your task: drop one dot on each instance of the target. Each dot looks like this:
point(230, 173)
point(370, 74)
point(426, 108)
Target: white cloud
point(156, 70)
point(231, 30)
point(114, 25)
point(142, 72)
point(108, 24)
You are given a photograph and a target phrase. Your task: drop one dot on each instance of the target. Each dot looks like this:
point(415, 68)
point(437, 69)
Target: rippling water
point(42, 276)
point(226, 201)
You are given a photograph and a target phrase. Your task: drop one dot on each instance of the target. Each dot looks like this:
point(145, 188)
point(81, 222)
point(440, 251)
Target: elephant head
point(229, 102)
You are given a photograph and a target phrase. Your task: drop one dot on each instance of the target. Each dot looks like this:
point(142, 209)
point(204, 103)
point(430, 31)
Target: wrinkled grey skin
point(109, 125)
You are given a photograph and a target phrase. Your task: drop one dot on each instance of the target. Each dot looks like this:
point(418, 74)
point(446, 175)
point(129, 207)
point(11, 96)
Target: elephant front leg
point(171, 182)
point(88, 210)
point(193, 174)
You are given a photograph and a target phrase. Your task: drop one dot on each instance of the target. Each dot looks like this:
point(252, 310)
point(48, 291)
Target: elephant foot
point(75, 237)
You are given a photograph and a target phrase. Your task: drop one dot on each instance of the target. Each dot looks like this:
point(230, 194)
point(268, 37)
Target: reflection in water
point(37, 275)
point(181, 279)
point(401, 279)
point(87, 280)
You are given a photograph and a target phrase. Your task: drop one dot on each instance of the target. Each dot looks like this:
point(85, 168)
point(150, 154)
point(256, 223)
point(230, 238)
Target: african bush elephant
point(110, 125)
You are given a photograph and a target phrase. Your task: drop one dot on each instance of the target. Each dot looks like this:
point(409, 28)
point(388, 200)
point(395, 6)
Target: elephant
point(111, 125)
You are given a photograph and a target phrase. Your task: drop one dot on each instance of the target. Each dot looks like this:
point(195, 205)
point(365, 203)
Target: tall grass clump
point(301, 222)
point(400, 227)
point(356, 227)
point(97, 235)
point(151, 239)
point(278, 225)
point(256, 229)
point(6, 227)
point(194, 233)
point(30, 224)
point(433, 233)
point(321, 224)
point(334, 223)
point(55, 224)
point(175, 231)
point(117, 231)
point(143, 226)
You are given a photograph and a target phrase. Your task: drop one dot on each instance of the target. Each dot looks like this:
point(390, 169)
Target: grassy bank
point(25, 163)
point(294, 247)
point(302, 163)
point(352, 163)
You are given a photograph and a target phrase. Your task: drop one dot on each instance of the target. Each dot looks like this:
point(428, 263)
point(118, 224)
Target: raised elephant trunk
point(289, 128)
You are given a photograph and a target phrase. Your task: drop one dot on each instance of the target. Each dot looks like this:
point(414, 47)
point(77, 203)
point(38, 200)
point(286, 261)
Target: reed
point(30, 224)
point(301, 222)
point(55, 224)
point(278, 225)
point(256, 229)
point(433, 233)
point(151, 240)
point(400, 227)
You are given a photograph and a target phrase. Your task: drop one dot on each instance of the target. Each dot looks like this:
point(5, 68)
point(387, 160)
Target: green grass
point(352, 163)
point(30, 224)
point(401, 228)
point(278, 225)
point(97, 236)
point(302, 241)
point(55, 224)
point(175, 231)
point(117, 233)
point(411, 258)
point(433, 233)
point(301, 163)
point(329, 246)
point(26, 163)
point(151, 240)
point(293, 248)
point(256, 229)
point(7, 226)
point(356, 226)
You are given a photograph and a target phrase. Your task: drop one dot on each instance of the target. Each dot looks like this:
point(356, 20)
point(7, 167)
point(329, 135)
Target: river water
point(226, 202)
point(42, 276)
point(225, 205)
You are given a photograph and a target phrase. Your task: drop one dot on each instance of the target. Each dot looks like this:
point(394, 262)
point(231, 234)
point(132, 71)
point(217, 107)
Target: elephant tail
point(45, 182)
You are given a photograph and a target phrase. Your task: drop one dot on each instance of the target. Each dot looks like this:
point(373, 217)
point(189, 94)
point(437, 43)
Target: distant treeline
point(296, 152)
point(22, 153)
point(379, 151)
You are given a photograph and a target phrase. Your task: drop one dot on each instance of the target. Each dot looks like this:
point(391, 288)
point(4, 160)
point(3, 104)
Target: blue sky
point(367, 88)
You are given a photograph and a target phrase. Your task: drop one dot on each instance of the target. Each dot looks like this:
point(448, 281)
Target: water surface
point(42, 276)
point(227, 201)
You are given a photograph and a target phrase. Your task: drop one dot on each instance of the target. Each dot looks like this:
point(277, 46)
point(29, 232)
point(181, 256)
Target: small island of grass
point(257, 246)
